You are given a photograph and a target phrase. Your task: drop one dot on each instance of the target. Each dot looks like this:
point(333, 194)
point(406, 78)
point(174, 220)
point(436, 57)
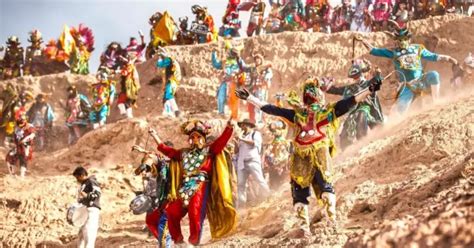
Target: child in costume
point(315, 125)
point(200, 183)
point(407, 60)
point(103, 93)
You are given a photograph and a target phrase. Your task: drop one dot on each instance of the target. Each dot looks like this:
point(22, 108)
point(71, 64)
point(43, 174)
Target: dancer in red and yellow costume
point(314, 124)
point(200, 183)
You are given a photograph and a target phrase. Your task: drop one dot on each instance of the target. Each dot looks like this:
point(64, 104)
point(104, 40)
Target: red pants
point(196, 213)
point(151, 220)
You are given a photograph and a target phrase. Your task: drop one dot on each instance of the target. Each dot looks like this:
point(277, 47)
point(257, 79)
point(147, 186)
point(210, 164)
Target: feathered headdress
point(84, 35)
point(191, 126)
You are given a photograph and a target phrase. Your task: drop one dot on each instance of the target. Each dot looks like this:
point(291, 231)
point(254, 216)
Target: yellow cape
point(164, 30)
point(220, 210)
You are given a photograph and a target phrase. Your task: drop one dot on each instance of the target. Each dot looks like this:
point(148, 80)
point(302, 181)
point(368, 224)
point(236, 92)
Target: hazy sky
point(109, 19)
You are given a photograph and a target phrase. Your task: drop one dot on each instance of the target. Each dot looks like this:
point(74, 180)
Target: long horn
point(395, 25)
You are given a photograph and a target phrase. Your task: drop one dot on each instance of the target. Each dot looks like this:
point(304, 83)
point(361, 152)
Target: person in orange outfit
point(200, 183)
point(234, 69)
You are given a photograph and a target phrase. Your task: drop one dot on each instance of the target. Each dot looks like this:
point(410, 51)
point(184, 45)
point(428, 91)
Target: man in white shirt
point(249, 162)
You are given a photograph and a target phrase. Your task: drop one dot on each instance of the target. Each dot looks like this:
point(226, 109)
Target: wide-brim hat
point(247, 122)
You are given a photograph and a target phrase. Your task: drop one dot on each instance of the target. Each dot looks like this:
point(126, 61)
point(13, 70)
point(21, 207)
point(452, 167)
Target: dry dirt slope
point(405, 186)
point(412, 186)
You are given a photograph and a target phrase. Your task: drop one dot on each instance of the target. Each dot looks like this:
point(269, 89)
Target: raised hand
point(375, 84)
point(138, 148)
point(154, 135)
point(242, 93)
point(359, 37)
point(231, 122)
point(152, 132)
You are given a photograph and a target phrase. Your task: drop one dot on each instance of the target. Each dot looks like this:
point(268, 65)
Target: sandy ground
point(408, 184)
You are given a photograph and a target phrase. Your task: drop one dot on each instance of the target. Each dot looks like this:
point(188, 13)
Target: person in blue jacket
point(407, 59)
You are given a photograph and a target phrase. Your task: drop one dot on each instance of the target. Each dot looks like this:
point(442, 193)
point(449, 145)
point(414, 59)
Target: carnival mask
point(354, 71)
point(312, 94)
point(21, 121)
point(403, 43)
point(197, 140)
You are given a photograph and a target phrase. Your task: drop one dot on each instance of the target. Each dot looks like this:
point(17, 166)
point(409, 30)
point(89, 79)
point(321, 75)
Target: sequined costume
point(110, 58)
point(200, 186)
point(203, 26)
point(314, 125)
point(407, 60)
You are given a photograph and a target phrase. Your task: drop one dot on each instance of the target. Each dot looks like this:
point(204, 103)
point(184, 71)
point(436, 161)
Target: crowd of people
point(290, 141)
point(217, 175)
point(72, 50)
